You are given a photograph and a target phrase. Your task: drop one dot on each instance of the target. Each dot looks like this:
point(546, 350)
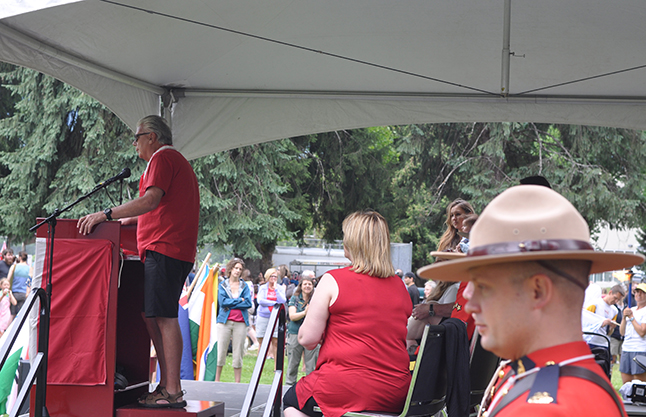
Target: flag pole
point(630, 274)
point(199, 274)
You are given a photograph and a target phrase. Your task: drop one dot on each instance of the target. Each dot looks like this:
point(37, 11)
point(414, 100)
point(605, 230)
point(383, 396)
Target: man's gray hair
point(308, 274)
point(159, 126)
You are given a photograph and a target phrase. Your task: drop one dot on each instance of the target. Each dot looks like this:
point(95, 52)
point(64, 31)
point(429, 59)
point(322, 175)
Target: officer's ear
point(542, 290)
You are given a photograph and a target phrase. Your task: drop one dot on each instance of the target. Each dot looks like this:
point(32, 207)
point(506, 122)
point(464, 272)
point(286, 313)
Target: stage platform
point(230, 393)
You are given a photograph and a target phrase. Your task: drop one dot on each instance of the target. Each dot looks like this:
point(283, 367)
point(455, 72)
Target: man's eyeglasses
point(138, 135)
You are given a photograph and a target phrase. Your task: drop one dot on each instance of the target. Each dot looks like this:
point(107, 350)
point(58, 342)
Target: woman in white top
point(633, 328)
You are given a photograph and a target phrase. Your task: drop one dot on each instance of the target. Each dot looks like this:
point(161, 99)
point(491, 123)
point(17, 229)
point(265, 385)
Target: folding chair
point(427, 391)
point(602, 353)
point(482, 366)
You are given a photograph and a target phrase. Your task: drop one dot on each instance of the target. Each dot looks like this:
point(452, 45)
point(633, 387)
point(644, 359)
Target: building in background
point(614, 240)
point(321, 257)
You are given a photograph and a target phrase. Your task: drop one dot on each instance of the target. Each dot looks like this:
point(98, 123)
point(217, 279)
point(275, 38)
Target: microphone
point(123, 174)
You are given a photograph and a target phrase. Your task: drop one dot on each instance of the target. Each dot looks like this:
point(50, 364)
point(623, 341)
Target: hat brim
point(458, 269)
point(448, 255)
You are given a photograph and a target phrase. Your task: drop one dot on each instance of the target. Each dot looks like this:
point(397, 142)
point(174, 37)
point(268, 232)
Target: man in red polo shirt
point(527, 267)
point(167, 217)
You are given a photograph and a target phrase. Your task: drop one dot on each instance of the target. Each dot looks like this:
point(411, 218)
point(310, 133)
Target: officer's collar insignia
point(522, 365)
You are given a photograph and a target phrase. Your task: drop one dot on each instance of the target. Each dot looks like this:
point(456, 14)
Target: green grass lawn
point(616, 377)
point(248, 363)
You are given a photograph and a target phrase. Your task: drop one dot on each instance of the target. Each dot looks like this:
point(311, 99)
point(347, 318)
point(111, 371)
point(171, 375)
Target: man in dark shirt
point(413, 291)
point(7, 260)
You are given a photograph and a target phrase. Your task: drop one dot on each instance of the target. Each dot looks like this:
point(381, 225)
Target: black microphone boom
point(123, 174)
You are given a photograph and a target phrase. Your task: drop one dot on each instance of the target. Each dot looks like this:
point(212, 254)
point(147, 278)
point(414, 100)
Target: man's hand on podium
point(127, 212)
point(87, 223)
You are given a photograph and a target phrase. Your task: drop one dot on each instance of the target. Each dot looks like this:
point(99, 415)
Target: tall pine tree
point(65, 143)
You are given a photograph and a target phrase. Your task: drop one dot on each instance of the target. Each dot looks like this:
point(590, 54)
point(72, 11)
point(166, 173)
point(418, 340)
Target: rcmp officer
point(528, 267)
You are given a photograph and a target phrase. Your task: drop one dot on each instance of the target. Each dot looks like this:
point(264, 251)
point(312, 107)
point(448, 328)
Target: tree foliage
point(242, 198)
point(348, 171)
point(598, 169)
point(67, 142)
point(58, 143)
point(61, 139)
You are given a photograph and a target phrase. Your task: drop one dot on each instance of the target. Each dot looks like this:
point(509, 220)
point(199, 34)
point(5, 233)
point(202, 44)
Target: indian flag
point(202, 313)
point(194, 307)
point(207, 346)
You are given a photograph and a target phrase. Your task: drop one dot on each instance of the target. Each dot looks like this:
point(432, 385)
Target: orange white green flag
point(205, 301)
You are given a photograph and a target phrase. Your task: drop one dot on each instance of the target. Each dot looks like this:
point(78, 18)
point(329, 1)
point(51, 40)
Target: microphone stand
point(43, 343)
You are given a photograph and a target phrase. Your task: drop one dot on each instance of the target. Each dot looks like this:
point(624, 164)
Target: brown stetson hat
point(445, 256)
point(527, 223)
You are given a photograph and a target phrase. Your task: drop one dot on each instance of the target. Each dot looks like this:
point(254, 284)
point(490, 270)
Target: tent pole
point(506, 53)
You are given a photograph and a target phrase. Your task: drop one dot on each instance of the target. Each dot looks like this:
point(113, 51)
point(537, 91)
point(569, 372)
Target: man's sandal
point(163, 399)
point(142, 399)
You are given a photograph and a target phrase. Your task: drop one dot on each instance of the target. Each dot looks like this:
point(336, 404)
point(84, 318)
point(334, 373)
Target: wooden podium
point(126, 337)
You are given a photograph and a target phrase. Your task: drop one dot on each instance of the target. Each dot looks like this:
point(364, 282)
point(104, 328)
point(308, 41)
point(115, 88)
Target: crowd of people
point(621, 327)
point(244, 308)
point(15, 284)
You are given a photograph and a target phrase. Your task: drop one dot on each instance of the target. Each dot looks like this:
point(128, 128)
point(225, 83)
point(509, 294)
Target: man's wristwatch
point(108, 213)
point(630, 318)
point(431, 311)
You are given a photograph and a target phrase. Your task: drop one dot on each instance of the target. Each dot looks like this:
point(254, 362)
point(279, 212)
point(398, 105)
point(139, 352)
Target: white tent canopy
point(239, 72)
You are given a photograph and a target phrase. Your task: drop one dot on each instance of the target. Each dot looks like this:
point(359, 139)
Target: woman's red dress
point(363, 363)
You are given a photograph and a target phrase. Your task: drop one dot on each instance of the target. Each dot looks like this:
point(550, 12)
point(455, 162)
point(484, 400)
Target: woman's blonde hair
point(366, 237)
point(450, 238)
point(269, 272)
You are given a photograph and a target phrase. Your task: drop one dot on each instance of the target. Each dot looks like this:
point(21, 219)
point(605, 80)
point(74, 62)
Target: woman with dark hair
point(352, 374)
point(298, 306)
point(234, 299)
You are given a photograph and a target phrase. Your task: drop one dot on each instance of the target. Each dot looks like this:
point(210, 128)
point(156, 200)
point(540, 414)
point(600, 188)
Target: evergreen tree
point(243, 208)
point(348, 171)
point(63, 144)
point(598, 169)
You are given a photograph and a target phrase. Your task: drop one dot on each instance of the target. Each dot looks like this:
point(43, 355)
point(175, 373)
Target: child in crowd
point(6, 300)
point(467, 223)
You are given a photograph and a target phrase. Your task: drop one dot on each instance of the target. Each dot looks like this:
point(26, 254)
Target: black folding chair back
point(428, 385)
point(601, 352)
point(481, 369)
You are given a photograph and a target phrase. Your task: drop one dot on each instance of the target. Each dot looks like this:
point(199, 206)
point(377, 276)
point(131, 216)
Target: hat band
point(506, 248)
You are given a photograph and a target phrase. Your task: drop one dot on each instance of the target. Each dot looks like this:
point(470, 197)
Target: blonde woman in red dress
point(359, 316)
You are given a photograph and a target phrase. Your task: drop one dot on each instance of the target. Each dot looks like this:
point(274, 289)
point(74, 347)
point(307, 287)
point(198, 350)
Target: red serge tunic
point(575, 396)
point(363, 363)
